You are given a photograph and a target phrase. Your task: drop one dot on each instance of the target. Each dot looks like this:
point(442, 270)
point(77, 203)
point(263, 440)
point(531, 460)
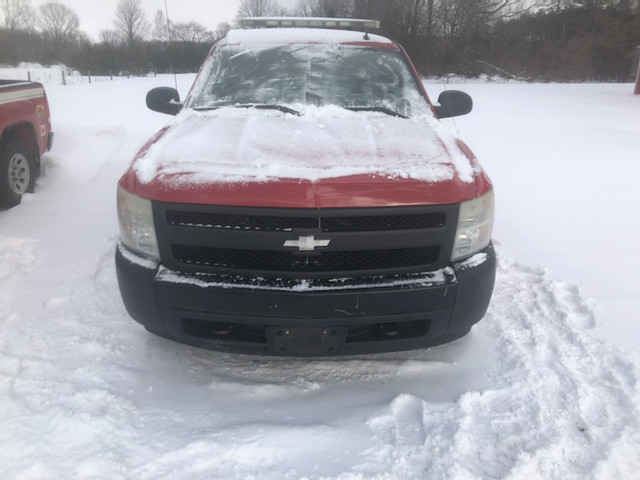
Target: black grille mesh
point(290, 262)
point(250, 241)
point(370, 223)
point(239, 222)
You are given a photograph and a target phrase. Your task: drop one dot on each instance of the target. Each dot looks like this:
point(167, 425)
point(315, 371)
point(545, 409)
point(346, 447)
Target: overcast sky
point(98, 15)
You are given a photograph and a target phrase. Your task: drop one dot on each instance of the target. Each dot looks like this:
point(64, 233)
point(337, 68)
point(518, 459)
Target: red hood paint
point(345, 192)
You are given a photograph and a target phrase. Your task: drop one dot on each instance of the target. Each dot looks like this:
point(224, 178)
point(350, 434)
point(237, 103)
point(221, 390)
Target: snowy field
point(545, 387)
point(48, 75)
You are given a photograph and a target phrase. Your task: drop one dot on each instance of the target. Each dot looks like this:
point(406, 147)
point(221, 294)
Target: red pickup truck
point(306, 200)
point(25, 133)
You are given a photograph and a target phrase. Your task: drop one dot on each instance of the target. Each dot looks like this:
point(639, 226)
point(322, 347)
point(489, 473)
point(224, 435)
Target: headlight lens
point(475, 224)
point(135, 218)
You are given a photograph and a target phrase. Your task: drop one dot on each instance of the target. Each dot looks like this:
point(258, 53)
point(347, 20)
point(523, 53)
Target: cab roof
point(295, 35)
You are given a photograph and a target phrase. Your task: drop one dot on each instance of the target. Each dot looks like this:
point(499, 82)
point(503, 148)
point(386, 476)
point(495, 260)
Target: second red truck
point(25, 134)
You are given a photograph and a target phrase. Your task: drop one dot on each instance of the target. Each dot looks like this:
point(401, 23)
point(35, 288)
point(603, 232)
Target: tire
point(17, 175)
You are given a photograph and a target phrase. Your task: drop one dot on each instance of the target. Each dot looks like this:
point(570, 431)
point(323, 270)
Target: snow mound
point(555, 400)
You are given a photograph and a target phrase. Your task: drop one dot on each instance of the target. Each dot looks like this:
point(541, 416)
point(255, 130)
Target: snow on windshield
point(348, 76)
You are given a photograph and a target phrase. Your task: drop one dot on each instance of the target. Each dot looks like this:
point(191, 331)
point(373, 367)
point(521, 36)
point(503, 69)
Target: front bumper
point(50, 141)
point(308, 317)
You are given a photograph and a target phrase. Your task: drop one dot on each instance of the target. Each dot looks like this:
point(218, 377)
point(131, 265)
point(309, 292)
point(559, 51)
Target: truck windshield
point(352, 77)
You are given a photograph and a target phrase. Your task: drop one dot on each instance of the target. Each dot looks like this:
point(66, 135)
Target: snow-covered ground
point(565, 160)
point(539, 389)
point(56, 74)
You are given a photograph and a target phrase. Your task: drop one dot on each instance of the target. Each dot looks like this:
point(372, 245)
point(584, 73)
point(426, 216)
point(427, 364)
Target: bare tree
point(160, 31)
point(16, 14)
point(325, 8)
point(59, 23)
point(109, 37)
point(466, 18)
point(260, 8)
point(131, 22)
point(413, 17)
point(221, 30)
point(191, 32)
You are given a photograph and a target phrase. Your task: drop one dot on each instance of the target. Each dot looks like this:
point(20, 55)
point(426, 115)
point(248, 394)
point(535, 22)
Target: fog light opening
point(390, 329)
point(222, 329)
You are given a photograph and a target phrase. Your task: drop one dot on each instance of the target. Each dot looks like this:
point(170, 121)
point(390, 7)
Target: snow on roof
point(259, 36)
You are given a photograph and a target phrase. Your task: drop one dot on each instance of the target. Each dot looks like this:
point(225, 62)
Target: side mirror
point(453, 103)
point(164, 100)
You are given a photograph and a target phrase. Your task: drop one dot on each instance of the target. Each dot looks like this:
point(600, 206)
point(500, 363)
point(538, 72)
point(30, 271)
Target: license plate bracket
point(306, 341)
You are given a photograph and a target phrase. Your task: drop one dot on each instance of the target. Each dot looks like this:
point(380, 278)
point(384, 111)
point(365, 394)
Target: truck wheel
point(16, 173)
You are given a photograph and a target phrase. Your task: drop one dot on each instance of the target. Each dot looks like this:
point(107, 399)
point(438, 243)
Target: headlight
point(135, 218)
point(475, 223)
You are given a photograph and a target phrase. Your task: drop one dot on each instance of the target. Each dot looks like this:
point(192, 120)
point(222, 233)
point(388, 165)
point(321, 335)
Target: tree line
point(551, 40)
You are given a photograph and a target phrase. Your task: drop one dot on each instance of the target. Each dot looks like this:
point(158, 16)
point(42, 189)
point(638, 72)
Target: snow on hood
point(245, 144)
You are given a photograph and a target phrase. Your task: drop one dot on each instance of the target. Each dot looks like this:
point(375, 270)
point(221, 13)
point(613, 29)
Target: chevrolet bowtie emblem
point(307, 244)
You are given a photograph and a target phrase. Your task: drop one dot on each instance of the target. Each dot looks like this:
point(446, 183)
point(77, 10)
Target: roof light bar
point(310, 22)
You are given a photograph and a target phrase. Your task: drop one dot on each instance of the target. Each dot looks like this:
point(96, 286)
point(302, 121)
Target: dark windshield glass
point(319, 75)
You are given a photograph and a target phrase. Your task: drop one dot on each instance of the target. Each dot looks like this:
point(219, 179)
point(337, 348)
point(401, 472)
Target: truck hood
point(328, 157)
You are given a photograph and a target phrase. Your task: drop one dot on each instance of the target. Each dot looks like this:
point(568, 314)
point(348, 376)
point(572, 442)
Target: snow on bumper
point(308, 317)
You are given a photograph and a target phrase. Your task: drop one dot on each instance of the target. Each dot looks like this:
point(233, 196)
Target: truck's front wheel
point(16, 173)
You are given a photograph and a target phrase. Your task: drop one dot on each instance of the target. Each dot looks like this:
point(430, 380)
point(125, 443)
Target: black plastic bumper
point(340, 318)
point(50, 141)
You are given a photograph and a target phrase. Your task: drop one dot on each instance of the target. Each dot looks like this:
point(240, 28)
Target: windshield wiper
point(259, 106)
point(265, 106)
point(386, 110)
